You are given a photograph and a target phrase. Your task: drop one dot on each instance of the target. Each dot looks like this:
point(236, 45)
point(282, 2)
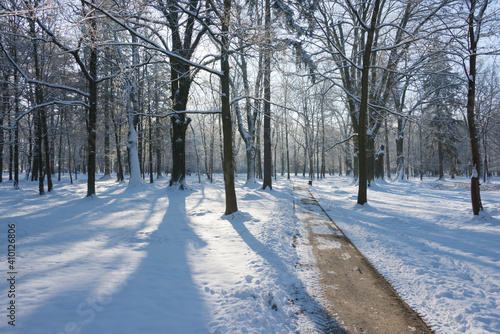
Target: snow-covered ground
point(155, 260)
point(423, 238)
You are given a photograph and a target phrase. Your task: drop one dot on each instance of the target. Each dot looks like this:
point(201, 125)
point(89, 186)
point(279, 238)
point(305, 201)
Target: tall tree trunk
point(485, 168)
point(39, 154)
point(471, 96)
point(363, 109)
point(3, 111)
point(387, 156)
point(158, 148)
point(92, 111)
point(119, 173)
point(400, 156)
point(40, 111)
point(59, 154)
point(11, 147)
point(228, 167)
point(134, 148)
point(180, 93)
point(16, 137)
point(287, 149)
point(248, 135)
point(421, 152)
point(340, 165)
point(150, 149)
point(198, 168)
point(107, 134)
point(370, 157)
point(34, 148)
point(46, 148)
point(440, 160)
point(69, 159)
point(16, 128)
point(267, 100)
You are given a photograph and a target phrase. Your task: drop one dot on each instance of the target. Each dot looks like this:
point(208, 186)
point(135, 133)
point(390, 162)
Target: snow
point(475, 174)
point(133, 156)
point(153, 259)
point(423, 237)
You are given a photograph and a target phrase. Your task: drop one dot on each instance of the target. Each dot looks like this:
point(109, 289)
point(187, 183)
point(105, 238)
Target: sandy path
point(357, 296)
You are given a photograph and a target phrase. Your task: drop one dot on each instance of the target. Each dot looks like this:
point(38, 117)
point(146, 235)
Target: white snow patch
point(151, 260)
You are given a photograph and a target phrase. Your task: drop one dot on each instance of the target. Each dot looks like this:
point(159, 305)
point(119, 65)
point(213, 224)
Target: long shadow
point(452, 241)
point(123, 283)
point(323, 321)
point(161, 294)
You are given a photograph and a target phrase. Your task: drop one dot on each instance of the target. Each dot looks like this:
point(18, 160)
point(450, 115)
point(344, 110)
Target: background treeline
point(97, 84)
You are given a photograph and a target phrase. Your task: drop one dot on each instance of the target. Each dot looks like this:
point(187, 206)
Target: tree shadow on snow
point(108, 277)
point(313, 308)
point(161, 294)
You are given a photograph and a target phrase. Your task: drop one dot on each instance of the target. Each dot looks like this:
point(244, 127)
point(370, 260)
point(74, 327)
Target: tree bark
point(107, 150)
point(92, 111)
point(267, 100)
point(471, 96)
point(363, 109)
point(231, 204)
point(387, 155)
point(5, 102)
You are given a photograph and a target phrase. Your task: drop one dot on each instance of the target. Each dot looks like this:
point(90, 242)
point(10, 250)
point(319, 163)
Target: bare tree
point(475, 18)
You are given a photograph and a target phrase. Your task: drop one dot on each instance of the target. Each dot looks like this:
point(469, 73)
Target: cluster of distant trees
point(266, 86)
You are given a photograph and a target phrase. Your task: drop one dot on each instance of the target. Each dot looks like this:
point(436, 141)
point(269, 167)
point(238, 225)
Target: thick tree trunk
point(92, 126)
point(133, 157)
point(227, 126)
point(107, 134)
point(92, 111)
point(180, 86)
point(471, 96)
point(179, 126)
point(267, 101)
point(119, 173)
point(133, 140)
point(39, 119)
point(363, 109)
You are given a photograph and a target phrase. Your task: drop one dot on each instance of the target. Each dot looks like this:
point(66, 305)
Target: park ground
point(150, 259)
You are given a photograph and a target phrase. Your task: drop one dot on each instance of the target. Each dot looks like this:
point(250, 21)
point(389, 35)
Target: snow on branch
point(43, 105)
point(238, 98)
point(154, 45)
point(179, 112)
point(37, 82)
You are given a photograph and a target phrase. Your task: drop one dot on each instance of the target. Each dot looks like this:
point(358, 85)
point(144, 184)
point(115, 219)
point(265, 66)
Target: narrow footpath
point(355, 294)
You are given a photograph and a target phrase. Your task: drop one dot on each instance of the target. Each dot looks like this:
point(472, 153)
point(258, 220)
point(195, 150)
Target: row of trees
point(314, 84)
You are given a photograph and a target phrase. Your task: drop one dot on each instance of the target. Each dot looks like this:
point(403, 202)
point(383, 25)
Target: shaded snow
point(155, 260)
point(423, 237)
